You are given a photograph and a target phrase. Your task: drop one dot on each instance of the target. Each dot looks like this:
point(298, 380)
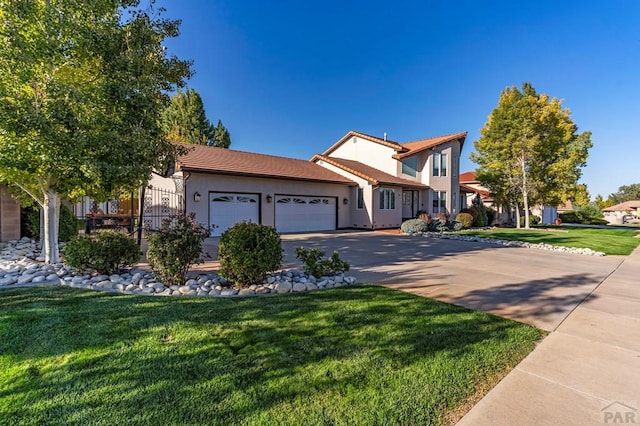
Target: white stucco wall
point(383, 219)
point(206, 183)
point(367, 152)
point(360, 218)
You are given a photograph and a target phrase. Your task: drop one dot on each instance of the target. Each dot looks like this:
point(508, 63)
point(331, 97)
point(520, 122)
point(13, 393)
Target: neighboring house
point(470, 183)
point(614, 214)
point(361, 181)
point(9, 216)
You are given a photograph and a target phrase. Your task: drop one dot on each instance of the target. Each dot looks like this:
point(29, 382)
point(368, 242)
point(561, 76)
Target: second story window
point(410, 166)
point(439, 164)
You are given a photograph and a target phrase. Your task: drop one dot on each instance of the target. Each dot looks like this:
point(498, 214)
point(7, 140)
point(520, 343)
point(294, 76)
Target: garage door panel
point(227, 209)
point(305, 213)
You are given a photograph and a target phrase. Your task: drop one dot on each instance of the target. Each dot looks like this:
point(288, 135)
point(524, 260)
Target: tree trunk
point(517, 216)
point(525, 193)
point(51, 220)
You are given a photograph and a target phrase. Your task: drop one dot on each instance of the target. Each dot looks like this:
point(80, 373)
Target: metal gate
point(158, 204)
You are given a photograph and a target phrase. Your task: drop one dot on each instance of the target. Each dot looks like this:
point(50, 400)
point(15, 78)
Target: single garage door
point(227, 209)
point(304, 214)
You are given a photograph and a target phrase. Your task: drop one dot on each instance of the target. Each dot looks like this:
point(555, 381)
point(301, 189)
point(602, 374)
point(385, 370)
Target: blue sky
point(290, 78)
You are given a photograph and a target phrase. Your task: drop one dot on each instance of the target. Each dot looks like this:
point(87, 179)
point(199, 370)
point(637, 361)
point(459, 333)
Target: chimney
point(385, 136)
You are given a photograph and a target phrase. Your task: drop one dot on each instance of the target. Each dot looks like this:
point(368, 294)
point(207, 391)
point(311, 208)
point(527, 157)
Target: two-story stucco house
point(397, 180)
point(361, 181)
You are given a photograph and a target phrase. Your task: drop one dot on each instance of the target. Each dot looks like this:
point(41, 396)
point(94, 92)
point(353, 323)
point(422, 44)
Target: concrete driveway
point(532, 286)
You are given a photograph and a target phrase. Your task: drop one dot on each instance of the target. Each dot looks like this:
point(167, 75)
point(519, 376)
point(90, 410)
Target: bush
point(107, 252)
point(68, 228)
point(465, 219)
point(175, 247)
point(491, 216)
point(583, 216)
point(533, 220)
point(247, 251)
point(481, 218)
point(470, 211)
point(414, 226)
point(316, 265)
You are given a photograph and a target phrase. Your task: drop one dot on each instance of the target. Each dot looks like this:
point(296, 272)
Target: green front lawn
point(357, 355)
point(608, 241)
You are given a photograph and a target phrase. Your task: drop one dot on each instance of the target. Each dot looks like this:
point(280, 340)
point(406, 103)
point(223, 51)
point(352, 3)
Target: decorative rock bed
point(20, 265)
point(507, 243)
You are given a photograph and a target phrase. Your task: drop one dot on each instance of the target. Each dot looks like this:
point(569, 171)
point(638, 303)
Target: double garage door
point(292, 213)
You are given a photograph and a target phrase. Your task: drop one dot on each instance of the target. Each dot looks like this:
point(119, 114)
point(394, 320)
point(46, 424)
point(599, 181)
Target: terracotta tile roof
point(420, 145)
point(209, 159)
point(351, 133)
point(567, 206)
point(627, 205)
point(371, 174)
point(484, 194)
point(468, 177)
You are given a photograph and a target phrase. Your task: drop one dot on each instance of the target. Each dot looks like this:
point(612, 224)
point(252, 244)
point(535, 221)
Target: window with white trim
point(360, 198)
point(387, 199)
point(439, 164)
point(439, 202)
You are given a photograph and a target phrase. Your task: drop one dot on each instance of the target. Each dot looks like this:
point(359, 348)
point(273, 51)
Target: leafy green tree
point(529, 151)
point(602, 203)
point(626, 193)
point(580, 195)
point(82, 84)
point(185, 120)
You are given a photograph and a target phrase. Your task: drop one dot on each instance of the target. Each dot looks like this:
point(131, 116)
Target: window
point(360, 199)
point(387, 199)
point(439, 164)
point(455, 161)
point(439, 202)
point(410, 166)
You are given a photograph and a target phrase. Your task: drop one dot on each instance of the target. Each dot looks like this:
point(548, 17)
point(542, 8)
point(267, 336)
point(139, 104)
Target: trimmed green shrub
point(470, 211)
point(247, 251)
point(583, 217)
point(456, 226)
point(414, 226)
point(68, 228)
point(315, 264)
point(465, 219)
point(107, 252)
point(175, 247)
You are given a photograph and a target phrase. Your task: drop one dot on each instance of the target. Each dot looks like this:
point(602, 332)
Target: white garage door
point(228, 209)
point(303, 214)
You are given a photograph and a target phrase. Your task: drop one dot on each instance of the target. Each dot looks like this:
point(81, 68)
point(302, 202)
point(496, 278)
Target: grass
point(357, 355)
point(608, 241)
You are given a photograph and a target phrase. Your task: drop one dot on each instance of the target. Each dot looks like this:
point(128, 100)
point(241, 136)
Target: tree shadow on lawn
point(155, 359)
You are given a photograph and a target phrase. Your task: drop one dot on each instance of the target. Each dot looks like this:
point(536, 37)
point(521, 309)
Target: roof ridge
point(436, 137)
point(196, 145)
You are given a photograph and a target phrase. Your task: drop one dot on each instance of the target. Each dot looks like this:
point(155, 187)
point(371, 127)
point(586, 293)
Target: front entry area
point(226, 209)
point(295, 213)
point(409, 204)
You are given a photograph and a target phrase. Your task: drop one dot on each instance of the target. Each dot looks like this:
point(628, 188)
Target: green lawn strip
point(608, 241)
point(357, 355)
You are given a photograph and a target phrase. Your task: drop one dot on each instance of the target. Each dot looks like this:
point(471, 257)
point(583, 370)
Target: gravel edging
point(508, 243)
point(21, 266)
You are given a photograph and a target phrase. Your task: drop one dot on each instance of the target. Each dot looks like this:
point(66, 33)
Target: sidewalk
point(586, 372)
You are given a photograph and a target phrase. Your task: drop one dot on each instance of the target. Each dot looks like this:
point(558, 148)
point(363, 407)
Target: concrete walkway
point(586, 372)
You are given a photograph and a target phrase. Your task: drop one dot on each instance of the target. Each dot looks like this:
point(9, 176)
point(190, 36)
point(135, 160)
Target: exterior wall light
point(269, 198)
point(196, 197)
point(345, 201)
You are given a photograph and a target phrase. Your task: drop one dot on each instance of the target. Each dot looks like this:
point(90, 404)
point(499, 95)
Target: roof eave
point(260, 175)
